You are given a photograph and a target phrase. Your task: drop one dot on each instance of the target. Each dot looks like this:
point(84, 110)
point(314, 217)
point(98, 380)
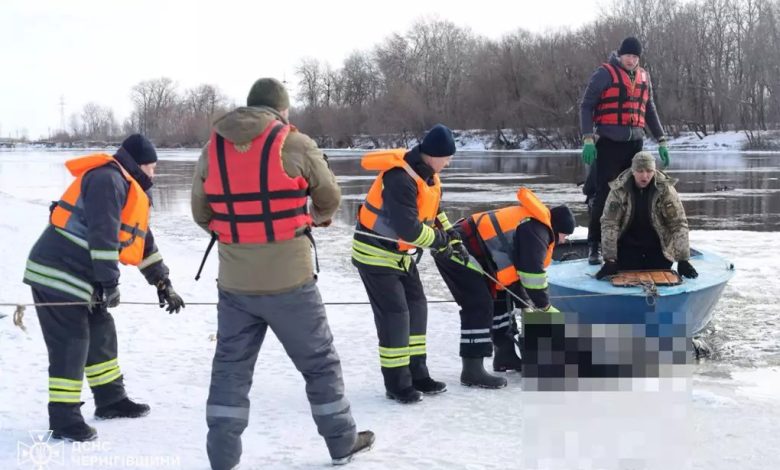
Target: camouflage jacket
point(668, 216)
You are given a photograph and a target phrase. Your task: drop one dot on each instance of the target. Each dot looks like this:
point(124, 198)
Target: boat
point(573, 287)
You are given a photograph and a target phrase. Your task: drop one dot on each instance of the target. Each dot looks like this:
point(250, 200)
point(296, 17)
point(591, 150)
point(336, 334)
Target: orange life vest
point(624, 101)
point(372, 214)
point(254, 200)
point(134, 220)
point(497, 230)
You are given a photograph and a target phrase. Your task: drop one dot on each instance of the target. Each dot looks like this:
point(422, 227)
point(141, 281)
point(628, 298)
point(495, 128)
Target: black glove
point(103, 298)
point(460, 251)
point(167, 295)
point(442, 254)
point(440, 240)
point(610, 268)
point(686, 269)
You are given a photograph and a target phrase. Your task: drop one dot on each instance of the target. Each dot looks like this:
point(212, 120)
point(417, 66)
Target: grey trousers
point(298, 320)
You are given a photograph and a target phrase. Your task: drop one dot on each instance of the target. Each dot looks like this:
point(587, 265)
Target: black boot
point(365, 439)
point(475, 375)
point(124, 408)
point(66, 422)
point(594, 254)
point(429, 386)
point(505, 358)
point(405, 396)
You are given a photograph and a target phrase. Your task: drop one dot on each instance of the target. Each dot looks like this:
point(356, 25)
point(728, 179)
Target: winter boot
point(406, 396)
point(505, 358)
point(594, 254)
point(66, 422)
point(124, 408)
point(429, 386)
point(365, 439)
point(475, 375)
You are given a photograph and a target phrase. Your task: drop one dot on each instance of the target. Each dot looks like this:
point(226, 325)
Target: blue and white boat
point(574, 288)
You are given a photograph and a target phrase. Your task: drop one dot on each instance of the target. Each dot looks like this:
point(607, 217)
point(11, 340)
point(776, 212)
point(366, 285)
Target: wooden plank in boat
point(659, 277)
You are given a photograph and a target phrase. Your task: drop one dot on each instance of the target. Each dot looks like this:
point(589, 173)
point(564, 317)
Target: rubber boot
point(365, 439)
point(475, 375)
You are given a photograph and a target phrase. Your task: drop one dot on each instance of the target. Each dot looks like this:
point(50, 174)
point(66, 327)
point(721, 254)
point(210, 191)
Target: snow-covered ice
point(728, 419)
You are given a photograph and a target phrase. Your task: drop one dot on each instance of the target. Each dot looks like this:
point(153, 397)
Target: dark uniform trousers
point(79, 341)
point(472, 293)
point(612, 158)
point(401, 317)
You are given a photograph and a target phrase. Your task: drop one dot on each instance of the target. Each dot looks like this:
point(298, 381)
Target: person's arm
point(201, 210)
point(673, 215)
point(599, 81)
point(610, 225)
point(399, 197)
point(323, 188)
point(104, 192)
point(530, 251)
point(152, 266)
point(652, 120)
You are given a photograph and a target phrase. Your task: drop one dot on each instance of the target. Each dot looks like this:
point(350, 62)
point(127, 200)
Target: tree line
point(715, 66)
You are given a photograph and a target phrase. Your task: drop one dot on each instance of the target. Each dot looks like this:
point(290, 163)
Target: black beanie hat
point(268, 92)
point(562, 220)
point(630, 45)
point(438, 142)
point(140, 149)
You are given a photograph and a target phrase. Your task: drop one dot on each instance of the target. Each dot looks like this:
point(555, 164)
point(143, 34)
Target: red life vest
point(134, 219)
point(253, 199)
point(497, 230)
point(624, 101)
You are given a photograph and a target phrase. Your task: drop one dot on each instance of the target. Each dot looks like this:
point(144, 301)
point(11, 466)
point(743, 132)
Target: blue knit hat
point(438, 142)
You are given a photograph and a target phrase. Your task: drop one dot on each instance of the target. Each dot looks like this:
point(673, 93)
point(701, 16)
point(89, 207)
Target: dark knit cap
point(438, 142)
point(630, 45)
point(562, 220)
point(268, 92)
point(140, 149)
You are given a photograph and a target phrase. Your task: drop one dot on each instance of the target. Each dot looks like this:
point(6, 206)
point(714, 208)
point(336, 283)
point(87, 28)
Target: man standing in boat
point(618, 101)
point(644, 224)
point(514, 245)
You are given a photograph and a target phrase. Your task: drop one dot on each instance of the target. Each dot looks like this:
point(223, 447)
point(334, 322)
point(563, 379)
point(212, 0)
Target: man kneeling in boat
point(644, 224)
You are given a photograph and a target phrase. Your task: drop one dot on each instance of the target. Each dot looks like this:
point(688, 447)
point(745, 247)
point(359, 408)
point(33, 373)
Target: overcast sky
point(87, 50)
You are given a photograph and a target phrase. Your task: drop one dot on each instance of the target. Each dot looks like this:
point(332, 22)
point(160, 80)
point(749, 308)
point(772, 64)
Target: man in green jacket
point(251, 189)
point(644, 224)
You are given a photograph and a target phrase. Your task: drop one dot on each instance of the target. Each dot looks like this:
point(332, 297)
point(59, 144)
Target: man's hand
point(589, 151)
point(103, 298)
point(167, 295)
point(686, 269)
point(663, 152)
point(610, 268)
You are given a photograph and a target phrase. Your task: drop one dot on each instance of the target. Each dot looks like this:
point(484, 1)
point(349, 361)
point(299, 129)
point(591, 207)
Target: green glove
point(663, 151)
point(588, 151)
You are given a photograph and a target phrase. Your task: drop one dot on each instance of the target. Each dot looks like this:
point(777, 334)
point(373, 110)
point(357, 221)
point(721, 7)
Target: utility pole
point(62, 113)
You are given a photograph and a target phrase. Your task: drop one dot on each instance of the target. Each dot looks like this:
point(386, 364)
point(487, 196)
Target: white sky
point(89, 50)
